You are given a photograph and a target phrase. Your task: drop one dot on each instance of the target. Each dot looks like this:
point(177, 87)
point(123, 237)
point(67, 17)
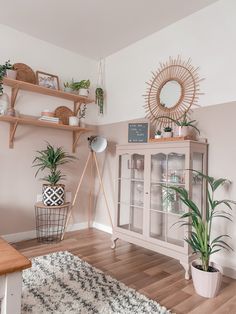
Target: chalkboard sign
point(138, 133)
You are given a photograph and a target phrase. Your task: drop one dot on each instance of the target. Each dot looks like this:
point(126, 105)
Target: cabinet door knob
point(146, 192)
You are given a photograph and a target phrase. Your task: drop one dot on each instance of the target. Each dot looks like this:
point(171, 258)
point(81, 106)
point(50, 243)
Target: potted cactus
point(206, 275)
point(50, 159)
point(167, 132)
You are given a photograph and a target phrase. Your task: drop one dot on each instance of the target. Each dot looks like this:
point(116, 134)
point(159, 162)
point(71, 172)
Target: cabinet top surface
point(185, 143)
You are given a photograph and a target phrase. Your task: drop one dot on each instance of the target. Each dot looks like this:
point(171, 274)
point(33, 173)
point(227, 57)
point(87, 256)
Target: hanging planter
point(99, 92)
point(100, 99)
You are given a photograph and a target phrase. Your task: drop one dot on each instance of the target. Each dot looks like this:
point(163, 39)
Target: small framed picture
point(47, 80)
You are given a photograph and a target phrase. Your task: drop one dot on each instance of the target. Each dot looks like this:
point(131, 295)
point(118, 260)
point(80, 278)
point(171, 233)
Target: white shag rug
point(63, 283)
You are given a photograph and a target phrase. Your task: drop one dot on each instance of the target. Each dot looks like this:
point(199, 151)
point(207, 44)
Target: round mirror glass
point(170, 94)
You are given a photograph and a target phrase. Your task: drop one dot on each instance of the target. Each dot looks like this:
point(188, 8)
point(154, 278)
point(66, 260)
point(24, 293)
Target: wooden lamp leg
point(76, 194)
point(102, 186)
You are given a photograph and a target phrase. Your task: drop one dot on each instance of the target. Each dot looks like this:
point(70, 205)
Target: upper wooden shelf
point(45, 91)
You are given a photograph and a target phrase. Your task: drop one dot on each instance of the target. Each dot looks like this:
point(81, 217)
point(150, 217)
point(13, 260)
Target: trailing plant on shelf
point(200, 237)
point(3, 70)
point(50, 159)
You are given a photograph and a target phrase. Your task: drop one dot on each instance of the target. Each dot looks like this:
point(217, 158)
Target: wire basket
point(50, 222)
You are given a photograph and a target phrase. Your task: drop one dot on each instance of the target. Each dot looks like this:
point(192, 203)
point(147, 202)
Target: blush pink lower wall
point(19, 187)
point(217, 124)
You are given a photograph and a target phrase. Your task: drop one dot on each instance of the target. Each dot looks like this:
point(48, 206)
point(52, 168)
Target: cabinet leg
point(186, 267)
point(113, 242)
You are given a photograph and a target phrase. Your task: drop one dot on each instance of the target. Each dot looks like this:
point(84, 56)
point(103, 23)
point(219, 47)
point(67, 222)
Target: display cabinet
point(148, 212)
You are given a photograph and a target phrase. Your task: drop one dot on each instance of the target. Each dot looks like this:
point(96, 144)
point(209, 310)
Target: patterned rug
point(63, 283)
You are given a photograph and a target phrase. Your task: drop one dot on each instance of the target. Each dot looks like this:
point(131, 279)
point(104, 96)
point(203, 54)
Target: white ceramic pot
point(206, 284)
point(74, 121)
point(11, 74)
point(83, 92)
point(184, 131)
point(167, 134)
point(67, 89)
point(157, 136)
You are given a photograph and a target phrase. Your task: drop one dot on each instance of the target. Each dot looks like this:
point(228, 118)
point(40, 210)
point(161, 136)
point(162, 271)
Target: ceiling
point(95, 28)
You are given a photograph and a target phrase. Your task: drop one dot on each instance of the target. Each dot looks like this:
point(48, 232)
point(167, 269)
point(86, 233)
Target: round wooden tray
point(24, 73)
point(63, 113)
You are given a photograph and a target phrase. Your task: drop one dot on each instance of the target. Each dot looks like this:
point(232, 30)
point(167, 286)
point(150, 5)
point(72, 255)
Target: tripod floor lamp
point(96, 144)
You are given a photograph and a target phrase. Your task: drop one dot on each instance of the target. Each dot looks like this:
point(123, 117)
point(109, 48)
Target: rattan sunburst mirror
point(172, 90)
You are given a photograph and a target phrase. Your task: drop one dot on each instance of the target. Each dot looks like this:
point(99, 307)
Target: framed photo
point(47, 80)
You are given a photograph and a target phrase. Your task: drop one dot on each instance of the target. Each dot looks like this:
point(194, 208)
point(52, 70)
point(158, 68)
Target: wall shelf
point(34, 121)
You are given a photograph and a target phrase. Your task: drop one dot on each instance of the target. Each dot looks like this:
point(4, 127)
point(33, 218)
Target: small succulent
point(168, 129)
point(158, 132)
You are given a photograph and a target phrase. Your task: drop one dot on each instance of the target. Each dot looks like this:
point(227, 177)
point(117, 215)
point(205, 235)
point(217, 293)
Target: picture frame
point(47, 80)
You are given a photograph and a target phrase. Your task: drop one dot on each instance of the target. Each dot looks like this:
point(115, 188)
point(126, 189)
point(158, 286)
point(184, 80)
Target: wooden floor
point(157, 276)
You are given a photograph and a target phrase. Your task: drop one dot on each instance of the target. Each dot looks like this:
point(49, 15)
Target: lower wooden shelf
point(34, 121)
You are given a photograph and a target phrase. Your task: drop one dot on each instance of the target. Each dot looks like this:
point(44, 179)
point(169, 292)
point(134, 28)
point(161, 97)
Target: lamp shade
point(97, 143)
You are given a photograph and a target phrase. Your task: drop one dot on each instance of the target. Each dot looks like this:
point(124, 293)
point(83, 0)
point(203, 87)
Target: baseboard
point(31, 234)
point(102, 227)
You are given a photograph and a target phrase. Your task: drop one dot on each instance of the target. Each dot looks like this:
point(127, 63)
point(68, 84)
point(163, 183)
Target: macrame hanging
point(99, 90)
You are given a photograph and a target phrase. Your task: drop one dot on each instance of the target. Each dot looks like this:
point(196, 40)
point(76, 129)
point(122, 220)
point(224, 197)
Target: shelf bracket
point(14, 93)
point(76, 137)
point(12, 131)
point(76, 108)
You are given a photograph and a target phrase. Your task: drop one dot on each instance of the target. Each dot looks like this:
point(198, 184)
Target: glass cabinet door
point(131, 192)
point(165, 206)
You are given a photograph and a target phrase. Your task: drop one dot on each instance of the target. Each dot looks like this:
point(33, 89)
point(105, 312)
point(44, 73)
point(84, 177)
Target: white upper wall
point(41, 55)
point(208, 37)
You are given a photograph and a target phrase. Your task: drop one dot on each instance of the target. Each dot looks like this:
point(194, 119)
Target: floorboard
point(157, 276)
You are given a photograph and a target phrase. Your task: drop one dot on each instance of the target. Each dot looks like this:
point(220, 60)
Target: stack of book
point(49, 119)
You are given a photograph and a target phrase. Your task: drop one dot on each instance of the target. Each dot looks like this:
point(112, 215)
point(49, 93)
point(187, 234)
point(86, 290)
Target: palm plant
point(200, 237)
point(50, 159)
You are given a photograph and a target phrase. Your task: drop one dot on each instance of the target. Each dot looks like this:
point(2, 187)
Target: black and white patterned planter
point(53, 195)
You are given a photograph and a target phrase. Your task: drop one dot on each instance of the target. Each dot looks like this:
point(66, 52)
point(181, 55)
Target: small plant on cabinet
point(167, 132)
point(157, 134)
point(50, 159)
point(184, 125)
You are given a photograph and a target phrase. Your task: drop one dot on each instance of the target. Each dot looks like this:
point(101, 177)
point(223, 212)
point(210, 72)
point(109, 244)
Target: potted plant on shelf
point(184, 126)
point(67, 87)
point(167, 132)
point(206, 275)
point(6, 69)
point(157, 134)
point(82, 87)
point(50, 159)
